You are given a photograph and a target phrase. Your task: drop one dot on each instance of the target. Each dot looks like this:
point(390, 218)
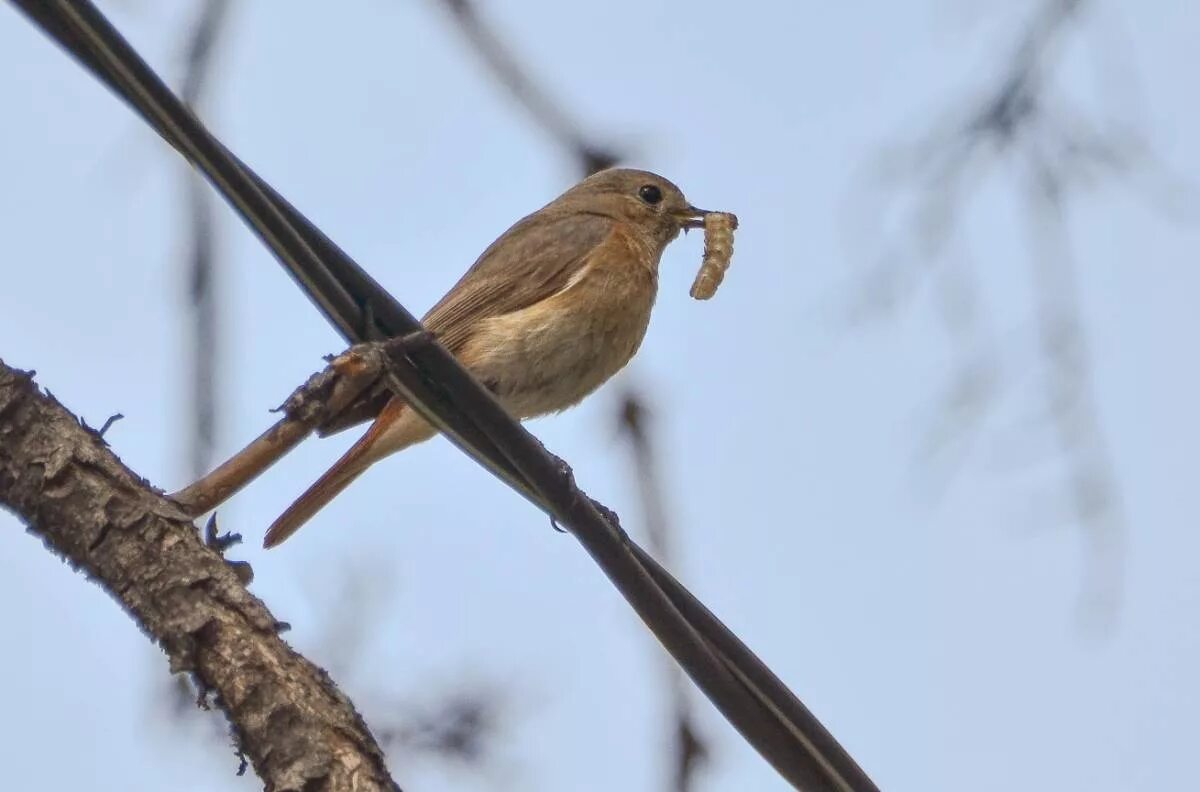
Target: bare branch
point(198, 53)
point(691, 749)
point(459, 727)
point(1020, 121)
point(1070, 407)
point(309, 406)
point(545, 111)
point(202, 270)
point(288, 718)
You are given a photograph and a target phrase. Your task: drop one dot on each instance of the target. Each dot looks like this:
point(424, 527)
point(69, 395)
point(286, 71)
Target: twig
point(108, 422)
point(202, 262)
point(322, 397)
point(1070, 405)
point(691, 750)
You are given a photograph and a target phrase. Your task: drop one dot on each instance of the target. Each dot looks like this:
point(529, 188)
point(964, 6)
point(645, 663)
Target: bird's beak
point(692, 217)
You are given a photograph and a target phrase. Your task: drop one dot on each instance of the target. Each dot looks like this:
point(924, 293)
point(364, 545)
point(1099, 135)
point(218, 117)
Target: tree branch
point(289, 720)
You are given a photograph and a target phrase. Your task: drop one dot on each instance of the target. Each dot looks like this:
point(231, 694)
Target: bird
point(551, 310)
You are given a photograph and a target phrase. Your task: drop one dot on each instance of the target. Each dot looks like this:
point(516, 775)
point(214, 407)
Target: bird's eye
point(650, 194)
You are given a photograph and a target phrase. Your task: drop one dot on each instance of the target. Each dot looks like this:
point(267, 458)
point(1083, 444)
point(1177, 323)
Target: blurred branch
point(198, 53)
point(202, 265)
point(509, 73)
point(458, 727)
point(1070, 400)
point(354, 610)
point(205, 346)
point(691, 750)
point(1021, 121)
point(288, 719)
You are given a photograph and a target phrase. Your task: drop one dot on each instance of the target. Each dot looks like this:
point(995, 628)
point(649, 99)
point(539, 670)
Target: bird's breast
point(549, 356)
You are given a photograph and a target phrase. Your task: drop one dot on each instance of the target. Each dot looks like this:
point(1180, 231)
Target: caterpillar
point(718, 250)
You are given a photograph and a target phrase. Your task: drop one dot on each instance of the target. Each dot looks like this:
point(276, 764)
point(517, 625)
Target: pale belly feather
point(549, 356)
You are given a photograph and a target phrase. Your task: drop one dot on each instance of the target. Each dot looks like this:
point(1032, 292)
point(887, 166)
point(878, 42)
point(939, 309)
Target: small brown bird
point(552, 309)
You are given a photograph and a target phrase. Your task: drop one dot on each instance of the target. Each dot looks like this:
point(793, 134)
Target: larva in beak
point(718, 250)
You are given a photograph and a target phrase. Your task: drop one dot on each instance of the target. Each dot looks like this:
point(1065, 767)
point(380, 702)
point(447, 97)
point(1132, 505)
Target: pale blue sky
point(936, 638)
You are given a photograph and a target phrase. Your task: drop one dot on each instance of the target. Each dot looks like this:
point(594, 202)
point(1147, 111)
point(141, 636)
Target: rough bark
point(292, 724)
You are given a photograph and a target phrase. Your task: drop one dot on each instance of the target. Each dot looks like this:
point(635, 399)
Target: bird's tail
point(394, 429)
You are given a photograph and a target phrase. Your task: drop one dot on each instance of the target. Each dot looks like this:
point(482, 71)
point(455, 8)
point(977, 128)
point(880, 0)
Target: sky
point(930, 616)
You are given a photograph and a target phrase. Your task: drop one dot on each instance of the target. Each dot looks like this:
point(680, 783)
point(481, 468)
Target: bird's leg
point(324, 395)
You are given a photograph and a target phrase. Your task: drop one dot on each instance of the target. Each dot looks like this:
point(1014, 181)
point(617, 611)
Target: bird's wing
point(533, 260)
point(530, 262)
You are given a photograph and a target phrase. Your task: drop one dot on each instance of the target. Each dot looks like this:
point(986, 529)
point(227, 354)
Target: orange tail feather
point(352, 464)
